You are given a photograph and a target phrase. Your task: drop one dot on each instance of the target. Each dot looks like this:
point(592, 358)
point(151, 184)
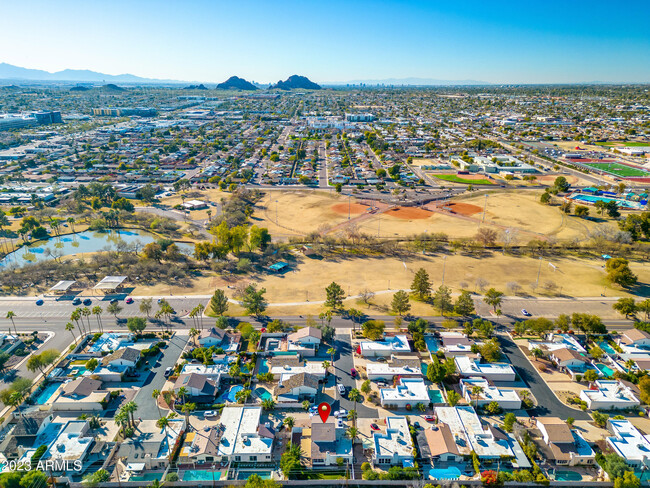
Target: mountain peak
point(236, 83)
point(296, 81)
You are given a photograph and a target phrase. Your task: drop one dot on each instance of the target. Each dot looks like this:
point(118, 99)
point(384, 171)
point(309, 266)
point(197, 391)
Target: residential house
point(305, 341)
point(325, 443)
point(152, 447)
point(200, 388)
point(565, 446)
point(219, 338)
point(296, 387)
point(83, 394)
point(609, 395)
point(408, 393)
point(123, 359)
point(507, 399)
point(242, 440)
point(634, 338)
point(387, 347)
point(437, 444)
point(629, 443)
point(569, 359)
point(395, 446)
point(470, 367)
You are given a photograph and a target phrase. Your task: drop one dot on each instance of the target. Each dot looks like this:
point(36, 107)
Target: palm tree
point(326, 365)
point(193, 334)
point(71, 221)
point(130, 409)
point(187, 409)
point(85, 312)
point(10, 316)
point(355, 396)
point(145, 306)
point(155, 394)
point(199, 312)
point(352, 433)
point(289, 422)
point(182, 392)
point(331, 351)
point(70, 327)
point(122, 419)
point(76, 315)
point(97, 311)
point(163, 423)
point(268, 404)
point(476, 391)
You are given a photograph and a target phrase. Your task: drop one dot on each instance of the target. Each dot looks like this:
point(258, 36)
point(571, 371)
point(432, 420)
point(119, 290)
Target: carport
point(61, 287)
point(110, 283)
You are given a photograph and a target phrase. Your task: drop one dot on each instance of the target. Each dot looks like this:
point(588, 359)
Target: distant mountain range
point(408, 82)
point(11, 72)
point(296, 81)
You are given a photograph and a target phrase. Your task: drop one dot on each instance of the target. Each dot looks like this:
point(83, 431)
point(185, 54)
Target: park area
point(464, 179)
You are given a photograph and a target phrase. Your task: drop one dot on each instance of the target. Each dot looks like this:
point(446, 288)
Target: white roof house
point(468, 367)
point(409, 391)
point(471, 435)
point(629, 443)
point(390, 345)
point(312, 367)
point(385, 371)
point(240, 441)
point(609, 395)
point(507, 399)
point(396, 445)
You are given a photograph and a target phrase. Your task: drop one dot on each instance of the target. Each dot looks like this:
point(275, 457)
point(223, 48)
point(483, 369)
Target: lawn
point(618, 169)
point(457, 179)
point(623, 143)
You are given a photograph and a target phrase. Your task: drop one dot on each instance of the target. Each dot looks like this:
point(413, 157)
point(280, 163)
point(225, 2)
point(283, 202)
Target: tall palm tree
point(71, 221)
point(155, 394)
point(326, 365)
point(352, 433)
point(10, 316)
point(193, 334)
point(354, 396)
point(289, 422)
point(70, 328)
point(97, 311)
point(331, 351)
point(476, 391)
point(76, 315)
point(187, 409)
point(183, 392)
point(85, 312)
point(200, 308)
point(130, 409)
point(163, 423)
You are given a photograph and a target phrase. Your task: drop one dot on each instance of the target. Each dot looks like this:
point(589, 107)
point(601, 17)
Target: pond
point(82, 242)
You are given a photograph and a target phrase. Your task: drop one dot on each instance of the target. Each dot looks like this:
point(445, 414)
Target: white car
point(341, 413)
point(341, 389)
point(525, 312)
point(209, 413)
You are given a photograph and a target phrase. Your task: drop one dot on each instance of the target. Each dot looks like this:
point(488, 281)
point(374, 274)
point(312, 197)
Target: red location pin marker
point(324, 410)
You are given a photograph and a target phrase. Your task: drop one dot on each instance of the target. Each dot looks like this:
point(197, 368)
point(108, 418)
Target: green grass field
point(618, 169)
point(626, 144)
point(456, 179)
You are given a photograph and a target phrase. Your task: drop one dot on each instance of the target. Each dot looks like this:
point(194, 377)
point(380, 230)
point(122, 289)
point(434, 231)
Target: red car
point(374, 426)
point(129, 300)
point(353, 372)
point(429, 418)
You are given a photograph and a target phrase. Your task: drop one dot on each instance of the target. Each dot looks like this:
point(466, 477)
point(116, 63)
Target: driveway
point(156, 378)
point(343, 363)
point(547, 403)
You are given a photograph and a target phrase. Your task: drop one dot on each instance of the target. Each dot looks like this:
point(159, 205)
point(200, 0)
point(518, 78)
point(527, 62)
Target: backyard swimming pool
point(244, 475)
point(230, 394)
point(264, 366)
point(606, 370)
point(263, 393)
point(432, 344)
point(436, 396)
point(568, 476)
point(607, 348)
point(45, 394)
point(201, 475)
point(146, 477)
point(450, 473)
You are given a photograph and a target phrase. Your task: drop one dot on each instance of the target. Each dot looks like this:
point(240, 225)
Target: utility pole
point(484, 208)
point(444, 262)
point(539, 270)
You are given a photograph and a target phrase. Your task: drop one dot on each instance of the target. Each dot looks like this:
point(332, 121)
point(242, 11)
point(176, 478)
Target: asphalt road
point(343, 363)
point(547, 403)
point(156, 377)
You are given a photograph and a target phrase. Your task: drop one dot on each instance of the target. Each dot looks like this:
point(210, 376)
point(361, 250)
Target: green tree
point(619, 272)
point(493, 298)
point(464, 304)
point(259, 238)
point(219, 302)
point(114, 309)
point(400, 303)
point(509, 421)
point(253, 300)
point(373, 329)
point(136, 324)
point(146, 306)
point(43, 360)
point(421, 285)
point(545, 198)
point(335, 295)
point(452, 398)
point(442, 299)
point(561, 184)
point(10, 316)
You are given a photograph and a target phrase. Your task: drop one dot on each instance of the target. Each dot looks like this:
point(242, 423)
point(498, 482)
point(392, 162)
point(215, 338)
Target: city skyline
point(334, 42)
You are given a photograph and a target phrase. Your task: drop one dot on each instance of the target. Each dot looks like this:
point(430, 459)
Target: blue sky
point(528, 41)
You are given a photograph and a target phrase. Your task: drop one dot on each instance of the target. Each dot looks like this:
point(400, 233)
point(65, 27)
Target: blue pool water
point(606, 370)
point(436, 396)
point(146, 477)
point(432, 344)
point(607, 348)
point(230, 394)
point(244, 475)
point(45, 394)
point(201, 475)
point(264, 366)
point(594, 199)
point(567, 476)
point(263, 393)
point(450, 473)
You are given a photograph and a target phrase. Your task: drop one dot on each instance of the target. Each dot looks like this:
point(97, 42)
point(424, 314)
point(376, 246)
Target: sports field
point(618, 169)
point(465, 181)
point(624, 144)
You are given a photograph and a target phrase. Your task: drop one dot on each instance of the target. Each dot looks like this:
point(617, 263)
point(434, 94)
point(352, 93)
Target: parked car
point(168, 372)
point(76, 301)
point(374, 426)
point(39, 302)
point(429, 418)
point(341, 413)
point(88, 302)
point(129, 300)
point(525, 312)
point(209, 413)
point(113, 301)
point(353, 372)
point(341, 389)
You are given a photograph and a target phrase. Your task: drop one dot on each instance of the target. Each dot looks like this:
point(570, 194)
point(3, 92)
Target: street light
point(444, 262)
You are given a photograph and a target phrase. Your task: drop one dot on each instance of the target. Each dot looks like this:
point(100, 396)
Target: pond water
point(82, 242)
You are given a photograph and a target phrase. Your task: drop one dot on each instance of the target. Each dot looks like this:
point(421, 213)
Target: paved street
point(156, 377)
point(548, 404)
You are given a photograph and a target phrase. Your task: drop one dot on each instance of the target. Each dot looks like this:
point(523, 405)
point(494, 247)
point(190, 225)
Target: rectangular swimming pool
point(244, 475)
point(201, 475)
point(432, 344)
point(45, 394)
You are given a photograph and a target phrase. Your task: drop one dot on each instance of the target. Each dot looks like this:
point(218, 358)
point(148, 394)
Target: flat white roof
point(62, 285)
point(387, 369)
point(468, 366)
point(312, 367)
point(240, 436)
point(490, 393)
point(628, 442)
point(396, 440)
point(110, 283)
point(412, 389)
point(397, 343)
point(612, 392)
